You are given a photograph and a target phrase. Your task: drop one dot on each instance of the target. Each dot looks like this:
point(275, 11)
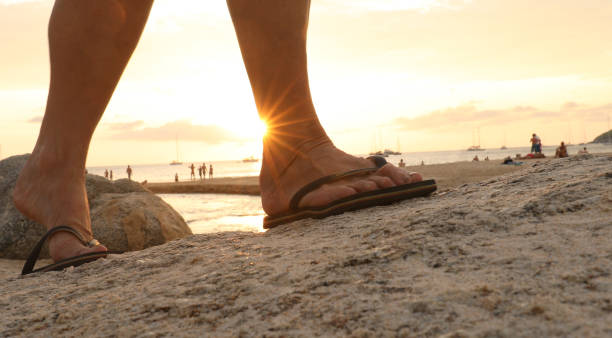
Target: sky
point(418, 75)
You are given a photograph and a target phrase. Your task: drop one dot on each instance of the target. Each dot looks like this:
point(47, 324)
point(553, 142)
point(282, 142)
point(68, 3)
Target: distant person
point(129, 172)
point(176, 177)
point(200, 172)
point(401, 163)
point(204, 170)
point(422, 162)
point(561, 151)
point(475, 159)
point(487, 158)
point(192, 167)
point(106, 174)
point(210, 172)
point(536, 144)
point(111, 175)
point(509, 161)
point(583, 151)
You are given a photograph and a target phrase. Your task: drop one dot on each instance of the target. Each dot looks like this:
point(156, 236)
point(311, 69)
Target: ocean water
point(165, 172)
point(207, 213)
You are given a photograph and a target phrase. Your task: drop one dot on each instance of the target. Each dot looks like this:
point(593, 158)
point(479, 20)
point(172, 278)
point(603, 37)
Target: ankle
point(55, 160)
point(279, 152)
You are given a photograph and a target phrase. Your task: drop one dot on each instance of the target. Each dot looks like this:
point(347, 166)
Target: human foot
point(280, 179)
point(53, 194)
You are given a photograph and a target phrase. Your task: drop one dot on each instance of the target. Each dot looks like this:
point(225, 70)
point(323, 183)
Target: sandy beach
point(502, 251)
point(447, 175)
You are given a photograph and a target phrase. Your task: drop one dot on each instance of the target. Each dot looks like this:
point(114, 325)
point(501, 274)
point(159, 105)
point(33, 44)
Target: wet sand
point(447, 175)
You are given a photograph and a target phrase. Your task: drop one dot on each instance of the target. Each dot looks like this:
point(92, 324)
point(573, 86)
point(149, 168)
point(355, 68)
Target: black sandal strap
point(31, 261)
point(295, 200)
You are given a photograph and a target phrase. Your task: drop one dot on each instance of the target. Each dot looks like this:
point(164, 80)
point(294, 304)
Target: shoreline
point(447, 175)
point(246, 185)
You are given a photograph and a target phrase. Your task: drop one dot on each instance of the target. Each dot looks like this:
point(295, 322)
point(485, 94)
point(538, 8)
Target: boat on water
point(176, 162)
point(378, 153)
point(250, 159)
point(385, 153)
point(391, 152)
point(503, 148)
point(475, 148)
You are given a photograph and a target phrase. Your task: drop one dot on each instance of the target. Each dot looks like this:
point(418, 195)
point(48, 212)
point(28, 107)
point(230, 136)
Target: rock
point(124, 215)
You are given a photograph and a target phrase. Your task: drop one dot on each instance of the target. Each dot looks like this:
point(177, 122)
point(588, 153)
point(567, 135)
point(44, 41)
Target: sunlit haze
point(420, 75)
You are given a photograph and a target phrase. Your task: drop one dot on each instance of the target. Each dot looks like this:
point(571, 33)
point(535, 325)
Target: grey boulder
point(124, 215)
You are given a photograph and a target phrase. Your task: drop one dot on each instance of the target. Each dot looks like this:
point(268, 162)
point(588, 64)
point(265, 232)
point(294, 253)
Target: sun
point(252, 129)
point(261, 129)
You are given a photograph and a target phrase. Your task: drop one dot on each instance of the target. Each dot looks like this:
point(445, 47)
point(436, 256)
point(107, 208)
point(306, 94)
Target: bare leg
point(90, 43)
point(272, 37)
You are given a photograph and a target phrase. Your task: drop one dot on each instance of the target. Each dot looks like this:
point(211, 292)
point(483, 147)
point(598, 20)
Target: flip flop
point(354, 202)
point(28, 267)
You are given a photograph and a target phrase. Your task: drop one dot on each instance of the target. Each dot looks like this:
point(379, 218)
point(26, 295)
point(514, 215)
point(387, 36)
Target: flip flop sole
point(74, 261)
point(356, 202)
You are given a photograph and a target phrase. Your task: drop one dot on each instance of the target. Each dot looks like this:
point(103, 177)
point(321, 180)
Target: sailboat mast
point(177, 150)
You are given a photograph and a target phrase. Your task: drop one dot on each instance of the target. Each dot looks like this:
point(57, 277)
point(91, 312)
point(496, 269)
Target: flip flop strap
point(31, 261)
point(295, 200)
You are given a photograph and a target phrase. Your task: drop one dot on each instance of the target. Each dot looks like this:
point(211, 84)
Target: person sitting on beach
point(401, 163)
point(129, 172)
point(475, 159)
point(91, 43)
point(508, 160)
point(583, 151)
point(561, 151)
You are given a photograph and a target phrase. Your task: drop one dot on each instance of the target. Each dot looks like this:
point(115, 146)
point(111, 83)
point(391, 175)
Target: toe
point(398, 176)
point(326, 195)
point(363, 185)
point(414, 177)
point(382, 181)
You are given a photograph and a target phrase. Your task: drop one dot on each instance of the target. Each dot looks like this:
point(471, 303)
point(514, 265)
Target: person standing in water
point(129, 172)
point(192, 167)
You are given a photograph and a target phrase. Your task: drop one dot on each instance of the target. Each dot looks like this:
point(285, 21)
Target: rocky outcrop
point(604, 138)
point(124, 215)
point(526, 254)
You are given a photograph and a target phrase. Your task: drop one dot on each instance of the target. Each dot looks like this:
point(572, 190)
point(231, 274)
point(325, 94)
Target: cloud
point(36, 119)
point(125, 125)
point(399, 5)
point(16, 2)
point(469, 116)
point(183, 130)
